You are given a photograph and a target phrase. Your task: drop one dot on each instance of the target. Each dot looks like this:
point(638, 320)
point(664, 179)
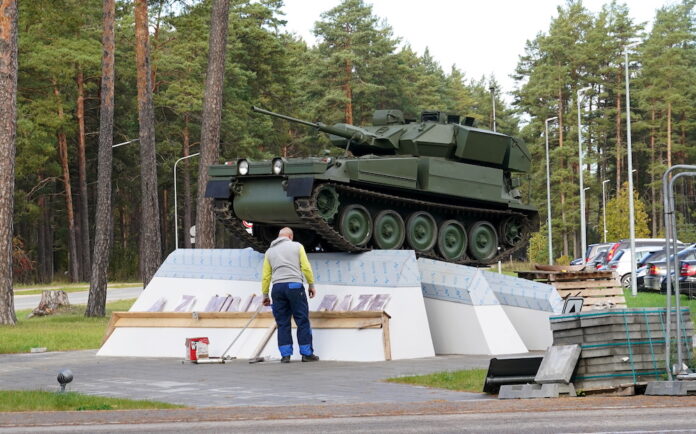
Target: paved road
point(31, 301)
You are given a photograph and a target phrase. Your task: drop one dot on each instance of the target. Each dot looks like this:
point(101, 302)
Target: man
point(284, 264)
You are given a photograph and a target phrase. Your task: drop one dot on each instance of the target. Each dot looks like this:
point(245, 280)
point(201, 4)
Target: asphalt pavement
point(80, 297)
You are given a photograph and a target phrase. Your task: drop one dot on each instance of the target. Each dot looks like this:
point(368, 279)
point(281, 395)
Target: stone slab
point(558, 364)
point(531, 391)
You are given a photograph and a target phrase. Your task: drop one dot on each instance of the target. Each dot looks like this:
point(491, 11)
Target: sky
point(480, 37)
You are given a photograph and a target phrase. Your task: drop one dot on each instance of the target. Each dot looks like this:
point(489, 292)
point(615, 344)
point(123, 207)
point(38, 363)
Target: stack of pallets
point(599, 289)
point(620, 348)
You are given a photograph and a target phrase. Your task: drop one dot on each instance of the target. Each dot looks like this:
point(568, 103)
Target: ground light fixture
point(65, 376)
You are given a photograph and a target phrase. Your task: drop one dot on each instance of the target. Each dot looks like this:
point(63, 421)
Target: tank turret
point(436, 134)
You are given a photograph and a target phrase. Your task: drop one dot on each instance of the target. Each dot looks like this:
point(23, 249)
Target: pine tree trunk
point(212, 111)
point(8, 132)
point(348, 92)
point(82, 177)
point(564, 231)
point(96, 304)
point(187, 184)
point(150, 245)
point(69, 210)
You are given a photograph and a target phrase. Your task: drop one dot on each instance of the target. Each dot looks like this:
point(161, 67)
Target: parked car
point(657, 243)
point(643, 267)
point(655, 279)
point(591, 253)
point(621, 263)
point(687, 278)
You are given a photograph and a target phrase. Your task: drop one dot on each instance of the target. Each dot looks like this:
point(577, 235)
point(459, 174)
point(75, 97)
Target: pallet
point(599, 289)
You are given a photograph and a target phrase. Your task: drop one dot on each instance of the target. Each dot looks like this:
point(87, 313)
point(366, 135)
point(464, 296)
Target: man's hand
point(312, 291)
point(266, 300)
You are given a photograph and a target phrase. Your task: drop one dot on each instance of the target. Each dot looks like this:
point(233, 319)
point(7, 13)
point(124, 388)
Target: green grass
point(32, 400)
point(655, 299)
point(470, 380)
point(66, 330)
point(32, 290)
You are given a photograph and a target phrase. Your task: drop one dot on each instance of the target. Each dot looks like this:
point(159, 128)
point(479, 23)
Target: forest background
point(358, 65)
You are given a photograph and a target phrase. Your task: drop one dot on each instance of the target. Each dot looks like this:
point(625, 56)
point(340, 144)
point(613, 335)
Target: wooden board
point(554, 276)
point(604, 292)
point(582, 284)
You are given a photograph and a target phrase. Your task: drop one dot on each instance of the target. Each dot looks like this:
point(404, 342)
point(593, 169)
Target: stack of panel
point(620, 347)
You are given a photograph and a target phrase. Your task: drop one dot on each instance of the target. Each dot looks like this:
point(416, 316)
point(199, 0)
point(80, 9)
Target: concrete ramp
point(474, 311)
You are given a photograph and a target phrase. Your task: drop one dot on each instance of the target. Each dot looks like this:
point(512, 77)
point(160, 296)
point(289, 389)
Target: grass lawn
point(68, 330)
point(15, 400)
point(655, 299)
point(32, 290)
point(470, 380)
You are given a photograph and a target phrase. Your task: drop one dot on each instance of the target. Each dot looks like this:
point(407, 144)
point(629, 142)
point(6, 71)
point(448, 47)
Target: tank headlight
point(277, 166)
point(243, 167)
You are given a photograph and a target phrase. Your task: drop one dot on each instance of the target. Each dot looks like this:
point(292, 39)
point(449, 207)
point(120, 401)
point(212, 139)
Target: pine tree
point(8, 130)
point(150, 243)
point(96, 303)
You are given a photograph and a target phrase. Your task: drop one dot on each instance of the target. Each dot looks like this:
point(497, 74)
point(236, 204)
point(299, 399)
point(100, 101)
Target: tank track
point(307, 210)
point(234, 225)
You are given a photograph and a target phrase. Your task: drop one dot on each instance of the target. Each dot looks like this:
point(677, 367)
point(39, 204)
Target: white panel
point(500, 334)
point(344, 344)
point(455, 328)
point(532, 326)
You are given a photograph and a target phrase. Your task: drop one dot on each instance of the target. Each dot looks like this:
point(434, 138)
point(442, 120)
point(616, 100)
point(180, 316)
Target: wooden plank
point(319, 320)
point(264, 341)
point(604, 283)
point(581, 276)
point(386, 337)
point(602, 300)
point(606, 292)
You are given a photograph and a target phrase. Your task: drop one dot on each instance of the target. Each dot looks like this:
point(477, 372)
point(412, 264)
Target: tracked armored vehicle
point(436, 185)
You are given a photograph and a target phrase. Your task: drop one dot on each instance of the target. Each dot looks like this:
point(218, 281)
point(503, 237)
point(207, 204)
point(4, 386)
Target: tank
point(437, 185)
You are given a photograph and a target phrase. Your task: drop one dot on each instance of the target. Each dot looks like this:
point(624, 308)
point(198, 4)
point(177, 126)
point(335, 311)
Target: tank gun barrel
point(347, 132)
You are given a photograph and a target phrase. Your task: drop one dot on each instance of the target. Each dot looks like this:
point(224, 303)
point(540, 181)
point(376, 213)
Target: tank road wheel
point(389, 230)
point(512, 230)
point(451, 240)
point(355, 224)
point(421, 231)
point(326, 200)
point(483, 241)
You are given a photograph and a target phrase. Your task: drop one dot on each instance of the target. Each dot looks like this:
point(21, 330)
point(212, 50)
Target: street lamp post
point(176, 218)
point(631, 210)
point(548, 191)
point(583, 224)
point(604, 208)
point(492, 89)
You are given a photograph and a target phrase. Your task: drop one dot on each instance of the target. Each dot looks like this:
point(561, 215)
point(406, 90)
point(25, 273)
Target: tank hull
point(442, 209)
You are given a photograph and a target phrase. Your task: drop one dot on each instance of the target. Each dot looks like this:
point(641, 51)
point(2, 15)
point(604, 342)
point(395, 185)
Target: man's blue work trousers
point(289, 299)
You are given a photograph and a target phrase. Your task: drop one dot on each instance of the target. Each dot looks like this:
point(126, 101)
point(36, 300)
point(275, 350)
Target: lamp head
point(65, 376)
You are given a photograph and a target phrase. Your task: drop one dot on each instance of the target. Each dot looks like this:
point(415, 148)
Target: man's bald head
point(286, 232)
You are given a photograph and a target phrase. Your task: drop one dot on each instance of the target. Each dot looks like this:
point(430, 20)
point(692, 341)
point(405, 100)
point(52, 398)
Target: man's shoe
point(310, 358)
point(285, 359)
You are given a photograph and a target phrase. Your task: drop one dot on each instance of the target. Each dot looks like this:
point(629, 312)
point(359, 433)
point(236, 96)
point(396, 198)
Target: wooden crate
point(599, 289)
